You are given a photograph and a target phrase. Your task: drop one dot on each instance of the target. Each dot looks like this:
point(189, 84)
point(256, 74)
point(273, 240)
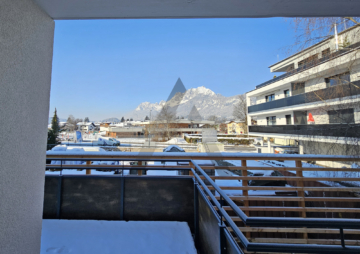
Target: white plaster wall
point(279, 94)
point(280, 118)
point(26, 48)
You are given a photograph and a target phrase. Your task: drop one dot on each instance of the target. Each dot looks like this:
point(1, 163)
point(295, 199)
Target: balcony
point(334, 92)
point(284, 219)
point(311, 64)
point(330, 130)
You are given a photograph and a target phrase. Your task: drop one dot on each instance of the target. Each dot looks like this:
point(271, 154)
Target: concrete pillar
point(301, 147)
point(269, 145)
point(26, 49)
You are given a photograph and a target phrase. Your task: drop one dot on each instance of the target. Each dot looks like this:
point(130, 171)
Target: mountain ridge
point(205, 100)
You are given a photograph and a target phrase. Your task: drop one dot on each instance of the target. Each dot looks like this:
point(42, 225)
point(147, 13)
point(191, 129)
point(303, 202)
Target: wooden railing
point(319, 199)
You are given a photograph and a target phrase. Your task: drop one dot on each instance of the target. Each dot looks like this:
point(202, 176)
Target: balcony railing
point(330, 130)
point(334, 92)
point(311, 64)
point(310, 214)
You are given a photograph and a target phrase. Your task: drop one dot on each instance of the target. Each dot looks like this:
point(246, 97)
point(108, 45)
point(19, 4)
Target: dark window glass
point(341, 116)
point(300, 117)
point(288, 119)
point(325, 52)
point(340, 79)
point(297, 88)
point(271, 120)
point(270, 97)
point(287, 93)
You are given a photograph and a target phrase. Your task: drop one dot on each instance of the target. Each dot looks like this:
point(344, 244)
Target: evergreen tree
point(55, 123)
point(53, 133)
point(86, 120)
point(122, 119)
point(146, 118)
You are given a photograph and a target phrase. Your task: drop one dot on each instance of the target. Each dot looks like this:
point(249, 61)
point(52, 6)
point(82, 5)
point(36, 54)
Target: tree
point(146, 118)
point(122, 119)
point(55, 123)
point(240, 109)
point(164, 119)
point(54, 132)
point(71, 122)
point(86, 120)
point(309, 31)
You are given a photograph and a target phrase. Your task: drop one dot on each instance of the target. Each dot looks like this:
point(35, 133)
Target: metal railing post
point(196, 212)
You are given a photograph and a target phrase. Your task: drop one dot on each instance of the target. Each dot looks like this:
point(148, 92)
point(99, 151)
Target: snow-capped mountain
point(206, 102)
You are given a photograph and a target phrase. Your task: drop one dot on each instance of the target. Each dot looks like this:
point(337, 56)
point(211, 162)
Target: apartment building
point(316, 103)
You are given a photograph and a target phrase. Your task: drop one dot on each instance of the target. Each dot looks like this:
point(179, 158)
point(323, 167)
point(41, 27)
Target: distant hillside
point(112, 119)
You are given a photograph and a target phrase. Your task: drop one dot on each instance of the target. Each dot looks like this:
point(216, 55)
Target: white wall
point(26, 48)
point(280, 118)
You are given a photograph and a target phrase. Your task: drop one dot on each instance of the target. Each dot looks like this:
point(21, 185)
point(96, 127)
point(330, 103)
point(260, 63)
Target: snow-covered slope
point(206, 101)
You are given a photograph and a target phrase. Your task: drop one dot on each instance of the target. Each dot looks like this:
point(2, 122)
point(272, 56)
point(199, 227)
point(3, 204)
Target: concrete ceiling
point(130, 9)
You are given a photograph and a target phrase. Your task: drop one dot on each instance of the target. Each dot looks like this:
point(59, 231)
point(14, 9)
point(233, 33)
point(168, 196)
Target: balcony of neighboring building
point(340, 89)
point(339, 122)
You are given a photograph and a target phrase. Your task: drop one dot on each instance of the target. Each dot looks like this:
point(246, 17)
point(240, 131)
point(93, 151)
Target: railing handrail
point(180, 156)
point(249, 221)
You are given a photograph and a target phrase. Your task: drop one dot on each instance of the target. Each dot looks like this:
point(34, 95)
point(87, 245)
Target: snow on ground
point(268, 163)
point(132, 140)
point(176, 141)
point(108, 237)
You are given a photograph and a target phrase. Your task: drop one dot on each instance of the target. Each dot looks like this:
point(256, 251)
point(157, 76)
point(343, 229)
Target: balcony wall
point(119, 198)
point(332, 130)
point(334, 92)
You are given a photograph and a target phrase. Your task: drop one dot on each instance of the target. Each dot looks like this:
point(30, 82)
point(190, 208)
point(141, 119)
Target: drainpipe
point(336, 38)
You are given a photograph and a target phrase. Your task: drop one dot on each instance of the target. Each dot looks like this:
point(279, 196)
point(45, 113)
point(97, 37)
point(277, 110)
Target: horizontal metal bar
point(151, 156)
point(111, 168)
point(301, 248)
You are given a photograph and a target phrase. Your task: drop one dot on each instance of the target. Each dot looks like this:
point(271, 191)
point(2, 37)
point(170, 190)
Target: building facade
point(315, 104)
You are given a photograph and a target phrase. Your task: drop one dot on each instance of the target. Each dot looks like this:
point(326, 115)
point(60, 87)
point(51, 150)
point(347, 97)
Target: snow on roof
point(173, 148)
point(83, 123)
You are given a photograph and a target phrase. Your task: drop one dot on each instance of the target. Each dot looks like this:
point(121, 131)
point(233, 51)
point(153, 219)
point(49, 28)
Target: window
point(270, 97)
point(288, 119)
point(340, 79)
point(300, 117)
point(325, 52)
point(307, 61)
point(297, 88)
point(271, 120)
point(341, 116)
point(287, 93)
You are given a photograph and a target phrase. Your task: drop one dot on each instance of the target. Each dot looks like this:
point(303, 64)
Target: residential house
point(316, 102)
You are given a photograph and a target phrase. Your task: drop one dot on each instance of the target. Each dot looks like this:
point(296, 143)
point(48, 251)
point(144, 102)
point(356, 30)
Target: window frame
point(271, 120)
point(270, 96)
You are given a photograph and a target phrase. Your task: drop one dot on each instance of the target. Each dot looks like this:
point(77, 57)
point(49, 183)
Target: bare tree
point(309, 31)
point(72, 122)
point(164, 120)
point(240, 109)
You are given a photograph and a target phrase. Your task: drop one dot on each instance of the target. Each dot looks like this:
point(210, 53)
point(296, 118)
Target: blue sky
point(105, 68)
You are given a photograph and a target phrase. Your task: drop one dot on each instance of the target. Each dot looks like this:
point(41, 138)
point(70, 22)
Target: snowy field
point(108, 237)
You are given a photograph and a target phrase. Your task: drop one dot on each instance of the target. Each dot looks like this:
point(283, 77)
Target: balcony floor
point(90, 236)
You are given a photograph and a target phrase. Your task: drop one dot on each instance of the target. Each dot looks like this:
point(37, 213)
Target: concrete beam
point(132, 9)
point(26, 43)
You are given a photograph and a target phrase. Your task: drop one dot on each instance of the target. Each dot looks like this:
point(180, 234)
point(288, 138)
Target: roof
point(313, 46)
